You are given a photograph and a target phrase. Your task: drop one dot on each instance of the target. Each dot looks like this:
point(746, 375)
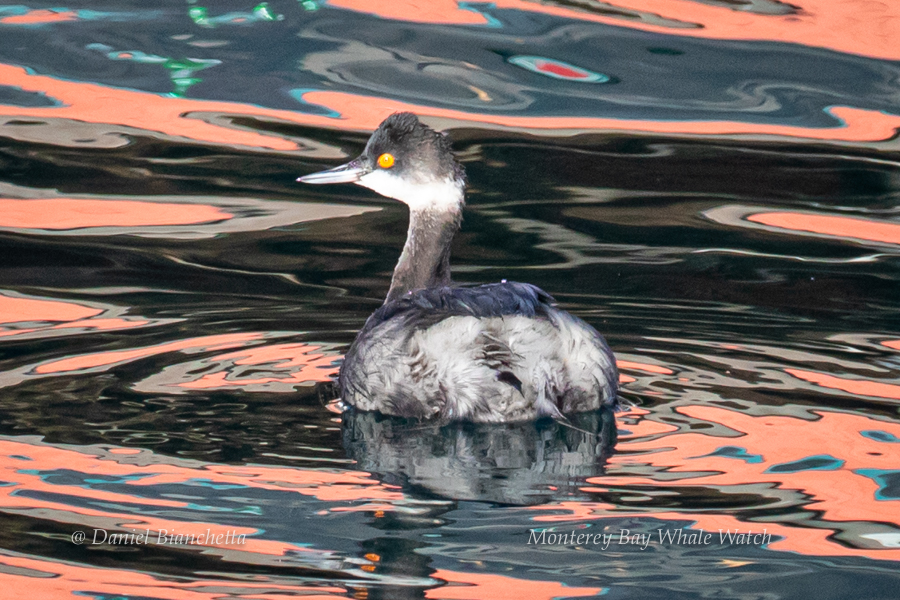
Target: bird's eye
point(386, 161)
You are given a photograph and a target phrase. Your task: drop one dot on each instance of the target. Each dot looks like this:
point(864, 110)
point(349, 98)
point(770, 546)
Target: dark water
point(713, 185)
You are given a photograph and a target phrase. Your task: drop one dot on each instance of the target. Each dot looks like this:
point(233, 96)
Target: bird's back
point(497, 352)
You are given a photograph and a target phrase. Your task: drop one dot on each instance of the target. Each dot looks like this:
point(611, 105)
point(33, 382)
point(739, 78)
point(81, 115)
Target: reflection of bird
point(516, 463)
point(497, 352)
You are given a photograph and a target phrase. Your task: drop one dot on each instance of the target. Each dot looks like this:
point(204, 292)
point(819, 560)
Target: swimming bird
point(434, 350)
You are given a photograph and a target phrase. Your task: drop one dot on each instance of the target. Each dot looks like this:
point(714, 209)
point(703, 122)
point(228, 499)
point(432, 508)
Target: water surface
point(713, 185)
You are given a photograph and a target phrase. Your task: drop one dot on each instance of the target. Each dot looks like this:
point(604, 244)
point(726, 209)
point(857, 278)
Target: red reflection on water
point(859, 387)
point(853, 26)
point(838, 226)
point(38, 17)
point(895, 344)
point(837, 499)
point(70, 213)
point(487, 586)
point(561, 70)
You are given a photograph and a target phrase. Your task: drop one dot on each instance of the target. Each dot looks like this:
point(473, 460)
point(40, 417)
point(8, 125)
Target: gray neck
point(425, 261)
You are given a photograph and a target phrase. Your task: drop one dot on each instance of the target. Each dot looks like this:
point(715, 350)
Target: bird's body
point(491, 353)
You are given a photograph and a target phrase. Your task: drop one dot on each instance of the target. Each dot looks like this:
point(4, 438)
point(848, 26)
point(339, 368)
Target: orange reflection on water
point(487, 586)
point(38, 17)
point(838, 226)
point(858, 387)
point(77, 327)
point(118, 357)
point(644, 367)
point(70, 213)
point(48, 318)
point(183, 118)
point(647, 368)
point(433, 11)
point(853, 26)
point(836, 498)
point(177, 117)
point(19, 309)
point(895, 344)
point(858, 125)
point(640, 427)
point(26, 577)
point(61, 502)
point(297, 364)
point(25, 465)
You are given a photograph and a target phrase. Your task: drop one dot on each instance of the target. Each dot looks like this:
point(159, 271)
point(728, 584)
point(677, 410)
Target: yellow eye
point(386, 161)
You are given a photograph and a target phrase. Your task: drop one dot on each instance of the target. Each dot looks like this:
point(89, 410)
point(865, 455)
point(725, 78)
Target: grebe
point(493, 353)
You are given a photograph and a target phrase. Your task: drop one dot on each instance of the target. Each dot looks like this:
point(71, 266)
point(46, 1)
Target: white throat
point(446, 195)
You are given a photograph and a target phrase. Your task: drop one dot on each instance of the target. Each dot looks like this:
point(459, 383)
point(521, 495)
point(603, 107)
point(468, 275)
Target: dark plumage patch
point(403, 403)
point(430, 306)
point(507, 377)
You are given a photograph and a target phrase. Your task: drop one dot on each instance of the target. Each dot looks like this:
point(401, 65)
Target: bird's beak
point(348, 173)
